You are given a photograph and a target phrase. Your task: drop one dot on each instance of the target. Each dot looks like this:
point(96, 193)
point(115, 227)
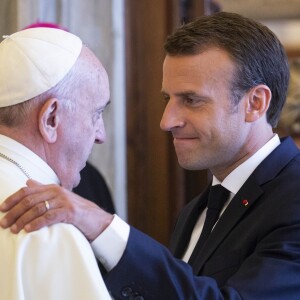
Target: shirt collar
point(234, 181)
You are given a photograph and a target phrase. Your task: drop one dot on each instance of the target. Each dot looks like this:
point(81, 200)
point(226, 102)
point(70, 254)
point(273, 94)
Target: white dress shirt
point(233, 182)
point(111, 244)
point(54, 263)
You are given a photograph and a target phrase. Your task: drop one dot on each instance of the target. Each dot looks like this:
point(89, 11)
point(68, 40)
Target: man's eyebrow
point(104, 106)
point(187, 93)
point(183, 93)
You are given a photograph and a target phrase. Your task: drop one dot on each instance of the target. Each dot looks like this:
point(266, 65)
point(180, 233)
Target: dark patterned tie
point(218, 195)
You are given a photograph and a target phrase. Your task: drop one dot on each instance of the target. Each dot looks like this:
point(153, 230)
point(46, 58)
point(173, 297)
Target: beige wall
point(281, 16)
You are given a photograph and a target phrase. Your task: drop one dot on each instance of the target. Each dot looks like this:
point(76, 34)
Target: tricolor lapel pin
point(245, 202)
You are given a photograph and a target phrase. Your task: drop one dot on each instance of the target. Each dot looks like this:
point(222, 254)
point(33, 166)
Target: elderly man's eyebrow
point(105, 106)
point(108, 103)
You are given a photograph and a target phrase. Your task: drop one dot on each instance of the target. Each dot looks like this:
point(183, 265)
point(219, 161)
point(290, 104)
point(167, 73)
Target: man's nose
point(100, 134)
point(172, 117)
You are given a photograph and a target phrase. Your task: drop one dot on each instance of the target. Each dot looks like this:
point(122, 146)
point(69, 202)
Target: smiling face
point(209, 133)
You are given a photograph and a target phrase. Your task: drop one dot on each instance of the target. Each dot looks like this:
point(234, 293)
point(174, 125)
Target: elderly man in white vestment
point(53, 91)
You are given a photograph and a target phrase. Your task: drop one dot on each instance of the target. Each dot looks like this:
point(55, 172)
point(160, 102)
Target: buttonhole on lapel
point(245, 202)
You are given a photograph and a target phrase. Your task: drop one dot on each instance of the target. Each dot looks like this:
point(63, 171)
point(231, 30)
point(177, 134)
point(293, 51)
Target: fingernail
point(3, 223)
point(27, 228)
point(14, 228)
point(2, 206)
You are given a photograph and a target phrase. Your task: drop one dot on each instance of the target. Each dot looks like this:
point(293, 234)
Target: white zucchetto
point(33, 61)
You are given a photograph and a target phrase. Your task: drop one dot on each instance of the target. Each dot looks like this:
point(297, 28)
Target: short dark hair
point(258, 54)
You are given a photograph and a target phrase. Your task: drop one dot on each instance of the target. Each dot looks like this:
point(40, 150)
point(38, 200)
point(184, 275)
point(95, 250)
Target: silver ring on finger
point(47, 205)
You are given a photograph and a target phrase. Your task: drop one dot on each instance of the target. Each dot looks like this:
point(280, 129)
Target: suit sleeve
point(149, 270)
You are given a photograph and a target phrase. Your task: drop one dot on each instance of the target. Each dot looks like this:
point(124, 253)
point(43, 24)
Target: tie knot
point(218, 195)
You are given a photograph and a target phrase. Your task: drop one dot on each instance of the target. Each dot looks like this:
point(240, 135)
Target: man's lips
point(183, 138)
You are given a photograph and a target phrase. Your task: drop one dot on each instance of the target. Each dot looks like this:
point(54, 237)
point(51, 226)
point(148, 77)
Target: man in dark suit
point(225, 79)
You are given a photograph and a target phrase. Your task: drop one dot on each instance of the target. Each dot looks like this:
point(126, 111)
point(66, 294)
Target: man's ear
point(49, 120)
point(257, 102)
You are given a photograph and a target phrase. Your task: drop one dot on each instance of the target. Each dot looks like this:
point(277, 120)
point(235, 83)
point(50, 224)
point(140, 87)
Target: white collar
point(37, 168)
point(234, 181)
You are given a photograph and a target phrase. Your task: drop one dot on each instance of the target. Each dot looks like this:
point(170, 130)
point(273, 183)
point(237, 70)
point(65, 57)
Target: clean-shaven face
point(208, 132)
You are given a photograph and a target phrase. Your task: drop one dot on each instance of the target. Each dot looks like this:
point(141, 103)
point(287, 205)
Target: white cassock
point(54, 263)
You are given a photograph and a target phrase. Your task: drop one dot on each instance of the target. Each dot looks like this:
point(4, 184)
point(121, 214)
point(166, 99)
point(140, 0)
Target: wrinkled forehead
point(104, 84)
point(213, 65)
point(95, 74)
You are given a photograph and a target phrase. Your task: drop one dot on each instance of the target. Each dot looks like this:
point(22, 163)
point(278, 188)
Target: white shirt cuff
point(110, 245)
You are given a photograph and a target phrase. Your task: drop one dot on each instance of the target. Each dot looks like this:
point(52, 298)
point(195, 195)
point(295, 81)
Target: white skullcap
point(34, 60)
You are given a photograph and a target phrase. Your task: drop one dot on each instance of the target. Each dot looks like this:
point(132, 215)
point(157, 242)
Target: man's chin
point(190, 165)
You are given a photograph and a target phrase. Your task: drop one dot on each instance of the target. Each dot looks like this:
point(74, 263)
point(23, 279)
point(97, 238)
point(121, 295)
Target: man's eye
point(189, 100)
point(97, 115)
point(192, 101)
point(166, 98)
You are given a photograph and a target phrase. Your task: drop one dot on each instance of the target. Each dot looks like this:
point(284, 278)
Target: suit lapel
point(246, 197)
point(186, 224)
point(238, 206)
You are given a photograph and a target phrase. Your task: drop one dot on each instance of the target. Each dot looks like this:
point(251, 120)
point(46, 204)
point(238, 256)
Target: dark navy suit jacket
point(252, 253)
